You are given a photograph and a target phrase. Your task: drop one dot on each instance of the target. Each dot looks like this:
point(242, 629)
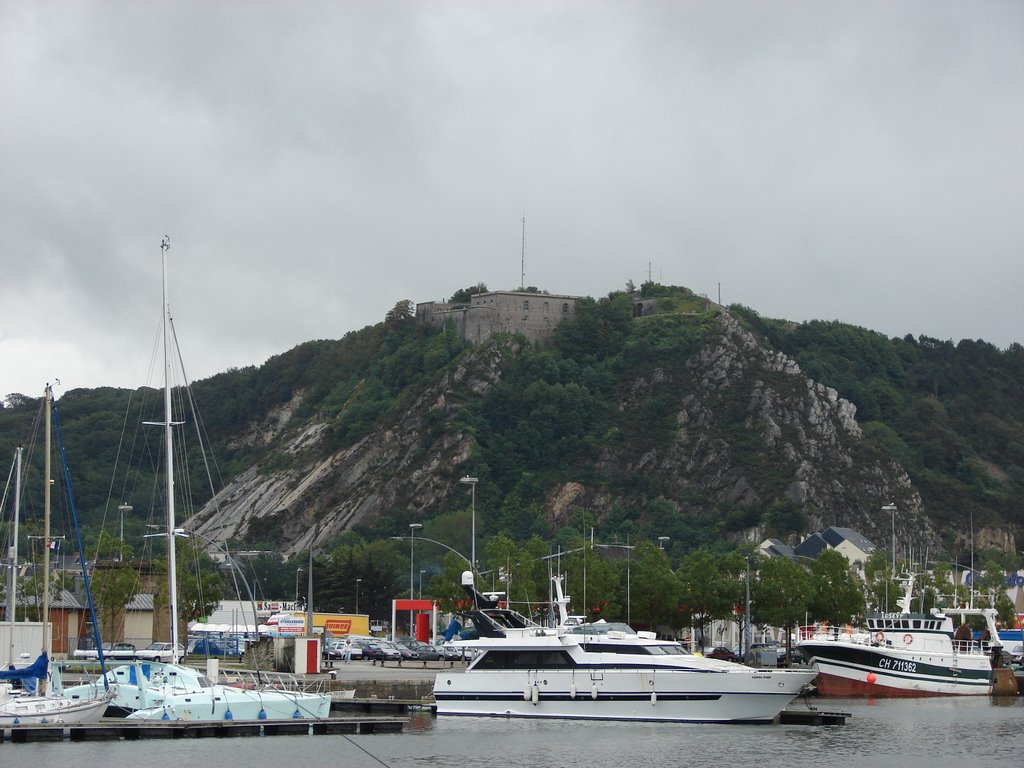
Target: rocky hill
point(799, 442)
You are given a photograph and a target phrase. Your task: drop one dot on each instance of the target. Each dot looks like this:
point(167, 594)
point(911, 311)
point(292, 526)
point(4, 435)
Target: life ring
point(879, 638)
point(908, 639)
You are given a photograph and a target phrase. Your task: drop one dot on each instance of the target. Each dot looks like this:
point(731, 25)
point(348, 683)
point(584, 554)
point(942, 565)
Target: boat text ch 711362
point(903, 654)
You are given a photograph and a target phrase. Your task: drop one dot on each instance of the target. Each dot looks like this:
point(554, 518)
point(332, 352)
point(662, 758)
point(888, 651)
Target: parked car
point(426, 651)
point(1017, 653)
point(206, 646)
point(111, 652)
point(375, 652)
point(722, 653)
point(334, 650)
point(385, 651)
point(457, 653)
point(159, 652)
point(451, 653)
point(404, 653)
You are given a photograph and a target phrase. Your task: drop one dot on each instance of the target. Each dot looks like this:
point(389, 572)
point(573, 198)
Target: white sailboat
point(42, 706)
point(176, 692)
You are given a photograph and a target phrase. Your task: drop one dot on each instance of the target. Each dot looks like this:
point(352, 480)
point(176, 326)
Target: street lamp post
point(297, 572)
point(122, 508)
point(471, 482)
point(662, 540)
point(357, 595)
point(421, 584)
point(746, 615)
point(455, 552)
point(413, 527)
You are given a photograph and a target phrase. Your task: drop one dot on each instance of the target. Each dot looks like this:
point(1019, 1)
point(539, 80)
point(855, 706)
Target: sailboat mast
point(172, 581)
point(47, 640)
point(13, 583)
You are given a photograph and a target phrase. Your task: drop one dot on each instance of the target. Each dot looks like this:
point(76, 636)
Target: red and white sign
point(291, 625)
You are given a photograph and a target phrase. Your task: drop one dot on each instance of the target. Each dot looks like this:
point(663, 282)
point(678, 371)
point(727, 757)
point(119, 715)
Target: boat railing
point(974, 647)
point(282, 681)
point(844, 632)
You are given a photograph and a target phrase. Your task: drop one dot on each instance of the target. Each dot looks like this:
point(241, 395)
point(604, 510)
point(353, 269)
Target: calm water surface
point(975, 732)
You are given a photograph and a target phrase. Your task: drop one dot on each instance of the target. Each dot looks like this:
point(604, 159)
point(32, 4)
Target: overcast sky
point(316, 162)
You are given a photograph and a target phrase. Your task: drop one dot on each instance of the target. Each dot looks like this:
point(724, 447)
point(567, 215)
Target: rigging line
point(7, 487)
point(113, 475)
point(357, 746)
point(186, 389)
point(201, 432)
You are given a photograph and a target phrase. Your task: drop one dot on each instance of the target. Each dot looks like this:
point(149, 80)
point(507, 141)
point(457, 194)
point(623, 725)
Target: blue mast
point(81, 549)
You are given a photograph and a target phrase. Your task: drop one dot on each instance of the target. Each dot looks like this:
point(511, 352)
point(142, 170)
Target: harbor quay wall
point(399, 690)
point(414, 681)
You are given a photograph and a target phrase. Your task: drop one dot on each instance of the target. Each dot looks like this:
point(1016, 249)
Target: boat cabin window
point(666, 649)
point(917, 623)
point(494, 659)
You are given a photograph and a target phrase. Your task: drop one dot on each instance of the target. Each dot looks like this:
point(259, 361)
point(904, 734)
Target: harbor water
point(969, 731)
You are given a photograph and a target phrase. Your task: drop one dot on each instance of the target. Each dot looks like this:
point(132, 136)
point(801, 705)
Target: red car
point(722, 653)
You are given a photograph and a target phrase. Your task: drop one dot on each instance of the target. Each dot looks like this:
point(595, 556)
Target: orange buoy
point(871, 678)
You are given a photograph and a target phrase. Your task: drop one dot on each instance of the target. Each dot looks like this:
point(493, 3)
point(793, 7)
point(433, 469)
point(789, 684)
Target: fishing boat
point(600, 671)
point(172, 691)
point(25, 696)
point(904, 654)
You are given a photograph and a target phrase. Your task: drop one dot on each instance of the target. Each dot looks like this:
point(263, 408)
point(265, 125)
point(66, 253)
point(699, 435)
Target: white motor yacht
point(601, 671)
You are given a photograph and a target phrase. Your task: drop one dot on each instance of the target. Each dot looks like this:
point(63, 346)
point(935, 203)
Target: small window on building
point(526, 306)
point(565, 308)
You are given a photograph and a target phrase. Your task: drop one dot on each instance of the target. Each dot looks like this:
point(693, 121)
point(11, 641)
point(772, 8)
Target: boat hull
point(743, 696)
point(24, 710)
point(848, 670)
point(229, 703)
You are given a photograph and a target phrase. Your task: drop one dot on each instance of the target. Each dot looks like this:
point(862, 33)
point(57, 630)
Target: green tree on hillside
point(712, 587)
point(836, 594)
point(781, 595)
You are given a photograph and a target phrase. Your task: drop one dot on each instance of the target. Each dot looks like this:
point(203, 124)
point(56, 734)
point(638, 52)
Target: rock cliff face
point(803, 431)
point(311, 501)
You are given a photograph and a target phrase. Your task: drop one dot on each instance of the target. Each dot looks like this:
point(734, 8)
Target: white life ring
point(908, 639)
point(879, 638)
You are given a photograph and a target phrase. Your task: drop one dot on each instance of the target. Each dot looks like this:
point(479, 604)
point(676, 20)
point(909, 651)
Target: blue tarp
point(37, 669)
point(453, 629)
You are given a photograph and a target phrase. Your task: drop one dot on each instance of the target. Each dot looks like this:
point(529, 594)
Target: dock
point(811, 717)
point(117, 729)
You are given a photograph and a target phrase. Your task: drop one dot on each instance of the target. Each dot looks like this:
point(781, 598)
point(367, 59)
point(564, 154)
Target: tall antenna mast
point(522, 258)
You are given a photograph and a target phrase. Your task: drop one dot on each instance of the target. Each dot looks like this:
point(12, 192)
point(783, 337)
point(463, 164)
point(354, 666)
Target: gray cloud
point(315, 162)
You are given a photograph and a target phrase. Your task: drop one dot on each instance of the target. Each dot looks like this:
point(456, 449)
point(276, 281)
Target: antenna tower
point(522, 258)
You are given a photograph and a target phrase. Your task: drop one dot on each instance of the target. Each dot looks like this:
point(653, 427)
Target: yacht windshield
point(602, 628)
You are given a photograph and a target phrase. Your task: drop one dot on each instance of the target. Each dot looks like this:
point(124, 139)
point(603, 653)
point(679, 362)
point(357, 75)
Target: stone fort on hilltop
point(534, 315)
